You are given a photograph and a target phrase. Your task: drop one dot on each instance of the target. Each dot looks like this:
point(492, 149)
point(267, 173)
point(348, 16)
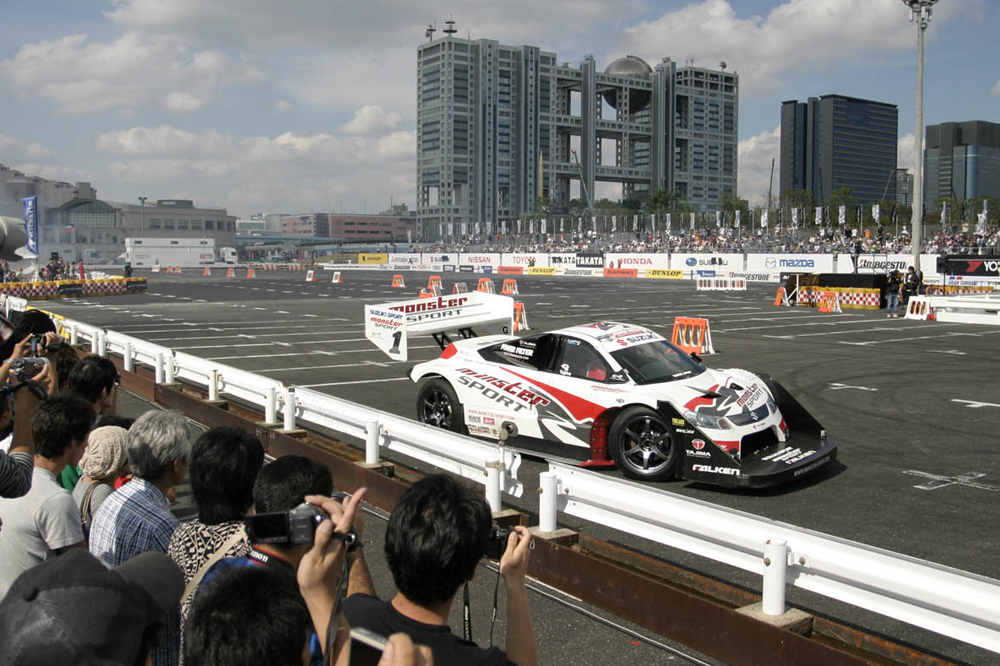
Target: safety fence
point(941, 599)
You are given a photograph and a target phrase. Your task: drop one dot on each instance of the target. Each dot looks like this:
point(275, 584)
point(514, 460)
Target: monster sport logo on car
point(512, 389)
point(438, 308)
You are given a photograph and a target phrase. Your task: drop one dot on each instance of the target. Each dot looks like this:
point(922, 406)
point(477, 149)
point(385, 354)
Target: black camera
point(292, 528)
point(496, 546)
point(27, 367)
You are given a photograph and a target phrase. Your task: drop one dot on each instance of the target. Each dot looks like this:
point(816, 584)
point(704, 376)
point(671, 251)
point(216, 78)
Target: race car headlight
point(772, 407)
point(707, 420)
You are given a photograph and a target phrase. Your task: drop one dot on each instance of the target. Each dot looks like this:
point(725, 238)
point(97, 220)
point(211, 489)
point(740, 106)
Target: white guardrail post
point(775, 567)
point(270, 405)
point(935, 597)
point(127, 360)
point(213, 386)
point(74, 335)
point(494, 470)
point(159, 368)
point(168, 368)
point(372, 433)
point(548, 488)
point(289, 409)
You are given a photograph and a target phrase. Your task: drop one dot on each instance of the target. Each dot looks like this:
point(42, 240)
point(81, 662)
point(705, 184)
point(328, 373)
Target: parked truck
point(149, 252)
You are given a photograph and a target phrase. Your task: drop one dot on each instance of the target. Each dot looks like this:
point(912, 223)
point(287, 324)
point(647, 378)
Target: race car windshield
point(656, 362)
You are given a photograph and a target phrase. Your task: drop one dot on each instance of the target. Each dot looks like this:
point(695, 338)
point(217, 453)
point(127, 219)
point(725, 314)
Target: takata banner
point(564, 259)
point(664, 273)
point(483, 259)
point(372, 258)
point(722, 263)
point(788, 263)
point(637, 261)
point(589, 260)
point(527, 260)
point(405, 259)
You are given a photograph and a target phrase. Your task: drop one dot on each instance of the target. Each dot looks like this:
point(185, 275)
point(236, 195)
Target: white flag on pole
point(876, 210)
point(795, 218)
point(763, 219)
point(737, 220)
point(692, 221)
point(842, 215)
point(819, 216)
point(669, 222)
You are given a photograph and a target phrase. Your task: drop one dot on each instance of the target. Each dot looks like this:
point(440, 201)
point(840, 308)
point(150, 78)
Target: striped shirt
point(15, 473)
point(136, 519)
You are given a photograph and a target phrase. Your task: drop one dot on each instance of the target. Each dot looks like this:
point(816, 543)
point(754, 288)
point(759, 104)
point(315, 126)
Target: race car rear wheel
point(641, 444)
point(437, 405)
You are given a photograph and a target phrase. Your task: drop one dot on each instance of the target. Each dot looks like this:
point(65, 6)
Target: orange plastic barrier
point(459, 288)
point(423, 293)
point(486, 286)
point(692, 335)
point(509, 287)
point(779, 298)
point(251, 273)
point(829, 302)
point(310, 276)
point(206, 272)
point(230, 272)
point(433, 280)
point(337, 278)
point(397, 281)
point(520, 318)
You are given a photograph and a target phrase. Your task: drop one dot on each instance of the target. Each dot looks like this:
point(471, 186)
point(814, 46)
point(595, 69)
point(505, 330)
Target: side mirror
point(695, 357)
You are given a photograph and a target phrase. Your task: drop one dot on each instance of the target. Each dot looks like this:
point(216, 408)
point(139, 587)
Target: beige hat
point(105, 454)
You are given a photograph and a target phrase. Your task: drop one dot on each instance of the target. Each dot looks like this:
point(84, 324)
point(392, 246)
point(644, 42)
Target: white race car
point(602, 394)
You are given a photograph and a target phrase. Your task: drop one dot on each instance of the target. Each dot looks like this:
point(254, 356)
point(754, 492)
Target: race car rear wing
point(390, 325)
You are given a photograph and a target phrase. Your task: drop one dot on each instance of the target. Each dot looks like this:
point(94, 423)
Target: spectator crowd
point(96, 569)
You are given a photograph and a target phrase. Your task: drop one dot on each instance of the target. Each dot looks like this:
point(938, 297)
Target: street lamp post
point(920, 13)
point(142, 215)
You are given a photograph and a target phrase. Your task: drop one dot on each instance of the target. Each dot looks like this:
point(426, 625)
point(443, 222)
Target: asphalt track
point(914, 406)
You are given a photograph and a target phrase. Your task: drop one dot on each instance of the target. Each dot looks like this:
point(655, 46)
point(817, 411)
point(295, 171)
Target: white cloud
point(371, 120)
point(78, 75)
point(798, 35)
point(904, 151)
point(183, 102)
point(55, 172)
point(995, 92)
point(755, 155)
point(259, 169)
point(282, 106)
point(12, 147)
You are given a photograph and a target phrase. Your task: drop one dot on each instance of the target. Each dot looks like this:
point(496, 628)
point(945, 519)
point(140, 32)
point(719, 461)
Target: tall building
point(904, 187)
point(835, 141)
point(962, 161)
point(500, 127)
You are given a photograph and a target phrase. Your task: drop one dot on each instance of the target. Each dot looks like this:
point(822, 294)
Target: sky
point(309, 106)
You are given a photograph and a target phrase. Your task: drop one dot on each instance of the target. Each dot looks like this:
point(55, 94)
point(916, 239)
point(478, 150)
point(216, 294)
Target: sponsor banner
point(482, 259)
point(31, 223)
point(704, 273)
point(466, 269)
point(985, 266)
point(636, 261)
point(716, 262)
point(562, 259)
point(373, 258)
point(532, 259)
point(583, 272)
point(589, 260)
point(795, 263)
point(135, 285)
point(875, 263)
point(439, 259)
point(511, 270)
point(621, 272)
point(409, 258)
point(664, 273)
point(542, 270)
point(74, 288)
point(754, 277)
point(485, 269)
point(448, 268)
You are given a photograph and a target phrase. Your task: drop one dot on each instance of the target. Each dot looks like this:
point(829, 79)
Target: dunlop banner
point(373, 258)
point(542, 270)
point(665, 273)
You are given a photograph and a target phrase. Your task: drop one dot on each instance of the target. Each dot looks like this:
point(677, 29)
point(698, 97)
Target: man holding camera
point(437, 533)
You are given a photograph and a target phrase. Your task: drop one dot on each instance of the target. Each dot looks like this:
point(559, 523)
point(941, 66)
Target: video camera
point(27, 367)
point(496, 546)
point(295, 527)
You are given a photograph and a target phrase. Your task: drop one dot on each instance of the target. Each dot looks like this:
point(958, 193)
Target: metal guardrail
point(947, 601)
point(960, 308)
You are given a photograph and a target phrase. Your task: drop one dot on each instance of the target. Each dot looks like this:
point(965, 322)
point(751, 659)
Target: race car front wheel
point(437, 405)
point(642, 446)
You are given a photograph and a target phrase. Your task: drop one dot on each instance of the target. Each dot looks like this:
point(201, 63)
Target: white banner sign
point(790, 263)
point(720, 263)
point(649, 260)
point(537, 259)
point(484, 259)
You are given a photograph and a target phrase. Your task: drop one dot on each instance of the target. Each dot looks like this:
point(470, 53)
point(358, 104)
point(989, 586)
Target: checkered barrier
point(113, 286)
point(856, 299)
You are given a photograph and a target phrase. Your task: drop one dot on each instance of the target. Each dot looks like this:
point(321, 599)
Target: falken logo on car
point(711, 469)
point(698, 444)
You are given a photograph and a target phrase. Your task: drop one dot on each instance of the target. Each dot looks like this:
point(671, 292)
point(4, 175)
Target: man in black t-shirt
point(436, 536)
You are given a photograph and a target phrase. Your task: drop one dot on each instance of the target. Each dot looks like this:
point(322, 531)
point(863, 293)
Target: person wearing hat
point(74, 610)
point(102, 464)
